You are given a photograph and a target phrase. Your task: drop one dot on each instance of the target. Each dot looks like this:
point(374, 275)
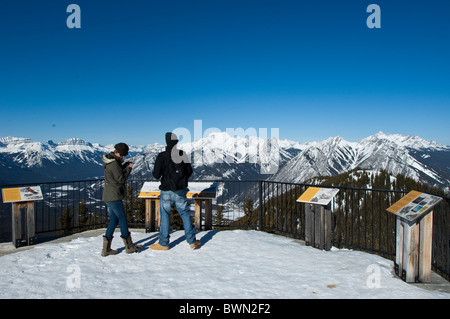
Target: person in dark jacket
point(174, 169)
point(116, 175)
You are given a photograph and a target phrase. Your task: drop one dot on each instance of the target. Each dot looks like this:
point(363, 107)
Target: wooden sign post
point(318, 216)
point(198, 191)
point(150, 192)
point(22, 199)
point(414, 236)
point(202, 193)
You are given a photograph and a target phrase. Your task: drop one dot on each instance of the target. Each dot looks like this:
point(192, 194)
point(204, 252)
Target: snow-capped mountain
point(411, 156)
point(25, 161)
point(221, 156)
point(216, 156)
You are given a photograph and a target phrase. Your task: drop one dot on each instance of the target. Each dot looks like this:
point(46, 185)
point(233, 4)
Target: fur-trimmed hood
point(109, 158)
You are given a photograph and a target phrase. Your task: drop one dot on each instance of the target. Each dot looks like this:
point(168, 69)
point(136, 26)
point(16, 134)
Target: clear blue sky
point(139, 68)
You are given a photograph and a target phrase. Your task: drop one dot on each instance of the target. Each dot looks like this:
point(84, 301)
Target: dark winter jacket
point(116, 175)
point(164, 167)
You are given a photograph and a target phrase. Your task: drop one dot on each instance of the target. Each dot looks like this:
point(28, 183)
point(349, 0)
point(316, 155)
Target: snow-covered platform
point(231, 264)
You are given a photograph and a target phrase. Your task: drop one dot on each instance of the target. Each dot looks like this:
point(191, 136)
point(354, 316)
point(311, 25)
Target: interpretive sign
point(22, 194)
point(318, 195)
point(196, 190)
point(414, 235)
point(414, 205)
point(150, 190)
point(318, 216)
point(22, 199)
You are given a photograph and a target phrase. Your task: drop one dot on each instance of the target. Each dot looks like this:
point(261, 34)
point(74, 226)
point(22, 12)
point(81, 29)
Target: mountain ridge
point(407, 155)
point(220, 155)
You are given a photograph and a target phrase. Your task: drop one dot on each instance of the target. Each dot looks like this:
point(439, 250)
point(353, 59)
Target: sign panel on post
point(414, 205)
point(318, 227)
point(414, 235)
point(196, 190)
point(22, 194)
point(318, 195)
point(22, 198)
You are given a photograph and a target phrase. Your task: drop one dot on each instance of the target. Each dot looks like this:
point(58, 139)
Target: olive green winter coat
point(116, 175)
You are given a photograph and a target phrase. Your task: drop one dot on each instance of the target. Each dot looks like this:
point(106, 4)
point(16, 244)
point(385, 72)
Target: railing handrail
point(231, 181)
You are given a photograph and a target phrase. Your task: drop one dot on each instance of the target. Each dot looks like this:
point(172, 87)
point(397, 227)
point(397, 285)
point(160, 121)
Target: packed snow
point(230, 264)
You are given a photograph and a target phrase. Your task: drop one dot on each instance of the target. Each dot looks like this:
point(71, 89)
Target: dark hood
point(171, 140)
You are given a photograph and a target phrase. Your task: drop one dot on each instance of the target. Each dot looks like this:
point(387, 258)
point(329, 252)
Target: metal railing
point(67, 207)
point(359, 218)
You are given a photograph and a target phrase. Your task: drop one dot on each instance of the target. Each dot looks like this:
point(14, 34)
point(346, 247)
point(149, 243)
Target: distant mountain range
point(220, 156)
point(411, 156)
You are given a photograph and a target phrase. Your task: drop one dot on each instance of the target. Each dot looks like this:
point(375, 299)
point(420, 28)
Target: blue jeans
point(168, 199)
point(116, 216)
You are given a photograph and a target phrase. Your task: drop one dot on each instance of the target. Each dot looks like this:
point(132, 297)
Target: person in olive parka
point(116, 175)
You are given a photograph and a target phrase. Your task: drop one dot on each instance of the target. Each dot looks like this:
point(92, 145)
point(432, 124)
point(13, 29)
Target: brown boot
point(129, 246)
point(106, 251)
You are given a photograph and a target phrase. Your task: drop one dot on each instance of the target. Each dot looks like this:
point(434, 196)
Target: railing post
point(260, 226)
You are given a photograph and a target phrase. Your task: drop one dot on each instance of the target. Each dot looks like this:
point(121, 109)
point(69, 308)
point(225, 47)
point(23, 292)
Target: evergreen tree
point(175, 219)
point(129, 203)
point(248, 206)
point(218, 216)
point(83, 215)
point(66, 220)
point(134, 207)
